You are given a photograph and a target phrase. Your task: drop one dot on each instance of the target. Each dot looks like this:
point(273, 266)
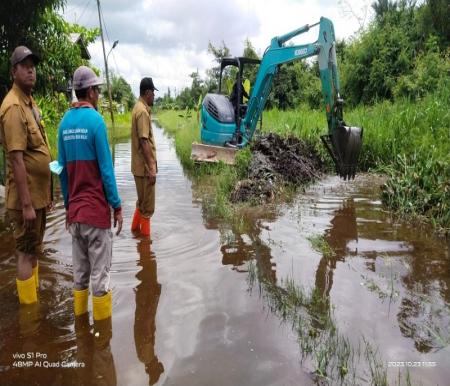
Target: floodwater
point(186, 313)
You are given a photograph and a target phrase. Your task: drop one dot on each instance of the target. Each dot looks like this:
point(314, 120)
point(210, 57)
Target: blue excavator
point(225, 128)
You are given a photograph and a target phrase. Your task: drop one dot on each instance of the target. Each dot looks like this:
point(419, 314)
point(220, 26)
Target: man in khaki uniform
point(28, 181)
point(143, 158)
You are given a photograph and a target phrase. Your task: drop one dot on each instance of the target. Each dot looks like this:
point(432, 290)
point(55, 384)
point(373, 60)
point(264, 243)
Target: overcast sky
point(168, 39)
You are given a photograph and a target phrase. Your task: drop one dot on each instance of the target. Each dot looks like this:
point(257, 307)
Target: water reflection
point(424, 312)
point(242, 242)
point(148, 292)
point(343, 230)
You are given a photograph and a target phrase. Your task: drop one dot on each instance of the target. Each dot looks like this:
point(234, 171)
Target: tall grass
point(122, 125)
point(410, 141)
point(219, 179)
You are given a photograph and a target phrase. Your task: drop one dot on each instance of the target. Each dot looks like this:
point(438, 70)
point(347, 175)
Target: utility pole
point(107, 78)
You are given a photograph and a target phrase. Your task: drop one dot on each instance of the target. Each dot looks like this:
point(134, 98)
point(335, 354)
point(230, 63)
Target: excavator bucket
point(344, 146)
point(210, 153)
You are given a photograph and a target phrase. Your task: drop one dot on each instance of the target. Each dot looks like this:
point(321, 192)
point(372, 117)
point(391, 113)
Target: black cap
point(21, 53)
point(147, 84)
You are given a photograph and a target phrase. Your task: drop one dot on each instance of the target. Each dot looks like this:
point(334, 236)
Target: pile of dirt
point(277, 161)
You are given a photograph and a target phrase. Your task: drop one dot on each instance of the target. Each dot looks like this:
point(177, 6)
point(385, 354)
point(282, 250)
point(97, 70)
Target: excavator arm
point(342, 142)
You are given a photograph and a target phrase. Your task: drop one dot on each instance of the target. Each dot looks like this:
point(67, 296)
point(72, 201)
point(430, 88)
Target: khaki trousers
point(146, 196)
point(29, 242)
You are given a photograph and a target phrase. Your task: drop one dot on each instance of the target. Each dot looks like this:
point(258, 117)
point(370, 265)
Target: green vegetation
point(43, 30)
point(321, 245)
point(122, 123)
point(121, 94)
point(53, 106)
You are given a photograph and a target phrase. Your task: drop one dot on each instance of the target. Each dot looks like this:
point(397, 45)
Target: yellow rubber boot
point(27, 290)
point(80, 301)
point(136, 220)
point(36, 274)
point(102, 306)
point(145, 226)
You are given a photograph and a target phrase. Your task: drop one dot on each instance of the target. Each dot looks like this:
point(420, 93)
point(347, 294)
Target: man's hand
point(51, 207)
point(29, 217)
point(118, 220)
point(152, 178)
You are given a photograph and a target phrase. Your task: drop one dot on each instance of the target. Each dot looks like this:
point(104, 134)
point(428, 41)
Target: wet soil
point(184, 312)
point(277, 161)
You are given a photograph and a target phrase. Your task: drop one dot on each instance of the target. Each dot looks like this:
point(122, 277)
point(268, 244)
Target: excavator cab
point(221, 116)
point(237, 92)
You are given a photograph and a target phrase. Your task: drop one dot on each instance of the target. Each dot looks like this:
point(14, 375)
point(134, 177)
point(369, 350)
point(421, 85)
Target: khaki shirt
point(20, 131)
point(141, 127)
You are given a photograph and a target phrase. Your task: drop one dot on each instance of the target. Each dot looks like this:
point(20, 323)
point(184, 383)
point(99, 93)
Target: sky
point(168, 39)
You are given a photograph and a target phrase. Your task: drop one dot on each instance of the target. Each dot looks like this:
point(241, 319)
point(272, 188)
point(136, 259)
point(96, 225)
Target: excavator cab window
point(238, 93)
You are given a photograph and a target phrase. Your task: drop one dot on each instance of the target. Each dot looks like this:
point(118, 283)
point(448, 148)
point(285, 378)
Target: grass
point(321, 245)
point(122, 124)
point(218, 180)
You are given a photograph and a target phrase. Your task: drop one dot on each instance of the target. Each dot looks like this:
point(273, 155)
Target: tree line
point(403, 52)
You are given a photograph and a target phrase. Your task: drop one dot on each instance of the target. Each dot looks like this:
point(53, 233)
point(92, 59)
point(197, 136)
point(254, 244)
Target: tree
point(121, 92)
point(197, 88)
point(212, 81)
point(383, 7)
point(17, 20)
point(434, 18)
point(250, 71)
point(36, 24)
point(60, 56)
point(384, 52)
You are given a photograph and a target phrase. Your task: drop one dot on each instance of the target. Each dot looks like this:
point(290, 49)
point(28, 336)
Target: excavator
point(226, 128)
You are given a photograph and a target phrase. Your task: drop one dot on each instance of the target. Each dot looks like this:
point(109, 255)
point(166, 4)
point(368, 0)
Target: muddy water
point(183, 313)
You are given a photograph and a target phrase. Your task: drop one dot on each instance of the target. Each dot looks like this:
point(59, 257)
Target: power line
point(82, 12)
point(109, 41)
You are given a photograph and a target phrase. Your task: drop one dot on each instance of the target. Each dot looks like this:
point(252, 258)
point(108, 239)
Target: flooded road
point(185, 311)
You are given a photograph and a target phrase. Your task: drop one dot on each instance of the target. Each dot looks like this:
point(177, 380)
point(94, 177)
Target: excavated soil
point(276, 162)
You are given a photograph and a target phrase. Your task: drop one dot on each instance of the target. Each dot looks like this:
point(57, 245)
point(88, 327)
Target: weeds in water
point(378, 372)
point(320, 244)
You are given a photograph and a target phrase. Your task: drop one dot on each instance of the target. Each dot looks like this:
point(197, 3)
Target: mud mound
point(277, 161)
point(253, 190)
